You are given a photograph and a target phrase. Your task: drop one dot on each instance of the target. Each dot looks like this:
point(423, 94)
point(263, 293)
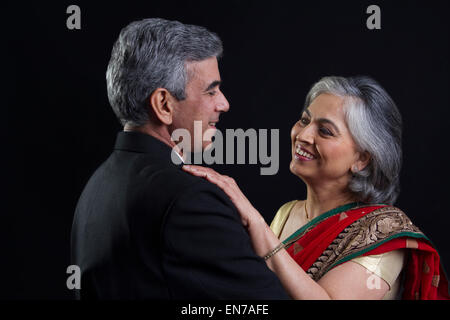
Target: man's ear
point(162, 103)
point(363, 161)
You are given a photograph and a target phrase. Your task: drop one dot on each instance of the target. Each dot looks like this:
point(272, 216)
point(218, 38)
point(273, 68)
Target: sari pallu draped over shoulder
point(350, 231)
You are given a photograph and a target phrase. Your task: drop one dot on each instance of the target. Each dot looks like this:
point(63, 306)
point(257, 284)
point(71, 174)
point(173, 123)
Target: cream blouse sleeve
point(387, 265)
point(281, 216)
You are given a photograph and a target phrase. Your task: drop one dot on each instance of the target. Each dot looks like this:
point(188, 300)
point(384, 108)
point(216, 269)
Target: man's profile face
point(204, 101)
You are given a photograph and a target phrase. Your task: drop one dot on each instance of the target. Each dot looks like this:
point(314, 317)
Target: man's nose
point(222, 104)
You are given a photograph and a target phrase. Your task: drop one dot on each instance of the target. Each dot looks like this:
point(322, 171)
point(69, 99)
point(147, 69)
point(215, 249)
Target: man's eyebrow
point(213, 85)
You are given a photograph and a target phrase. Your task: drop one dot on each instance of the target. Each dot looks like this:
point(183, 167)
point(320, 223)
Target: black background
point(58, 127)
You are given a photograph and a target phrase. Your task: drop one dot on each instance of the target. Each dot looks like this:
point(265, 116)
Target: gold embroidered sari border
point(363, 235)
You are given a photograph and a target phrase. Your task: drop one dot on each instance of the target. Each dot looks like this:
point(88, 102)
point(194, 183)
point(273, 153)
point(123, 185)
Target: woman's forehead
point(327, 106)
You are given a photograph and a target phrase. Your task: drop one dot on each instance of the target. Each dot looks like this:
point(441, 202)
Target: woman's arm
point(347, 281)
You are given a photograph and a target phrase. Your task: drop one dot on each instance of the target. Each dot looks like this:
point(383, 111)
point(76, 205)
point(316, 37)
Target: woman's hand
point(249, 215)
point(346, 281)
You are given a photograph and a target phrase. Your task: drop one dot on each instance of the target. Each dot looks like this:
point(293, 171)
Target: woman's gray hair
point(376, 126)
point(151, 54)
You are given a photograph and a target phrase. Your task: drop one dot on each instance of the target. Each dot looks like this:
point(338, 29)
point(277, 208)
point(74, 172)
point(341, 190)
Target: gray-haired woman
point(346, 240)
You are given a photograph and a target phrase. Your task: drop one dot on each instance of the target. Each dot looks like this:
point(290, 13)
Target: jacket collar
point(143, 143)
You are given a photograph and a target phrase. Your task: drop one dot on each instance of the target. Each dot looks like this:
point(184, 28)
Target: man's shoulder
point(173, 180)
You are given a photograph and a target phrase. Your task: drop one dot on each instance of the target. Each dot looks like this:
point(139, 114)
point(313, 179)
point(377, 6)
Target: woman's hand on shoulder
point(249, 215)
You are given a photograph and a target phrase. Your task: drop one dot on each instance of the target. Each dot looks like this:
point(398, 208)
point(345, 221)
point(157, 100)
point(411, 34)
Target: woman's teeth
point(304, 153)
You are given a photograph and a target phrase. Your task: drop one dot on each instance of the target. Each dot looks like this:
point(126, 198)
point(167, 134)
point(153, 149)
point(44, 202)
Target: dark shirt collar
point(143, 143)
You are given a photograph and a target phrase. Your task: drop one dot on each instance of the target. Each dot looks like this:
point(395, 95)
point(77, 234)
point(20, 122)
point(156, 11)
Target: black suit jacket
point(145, 229)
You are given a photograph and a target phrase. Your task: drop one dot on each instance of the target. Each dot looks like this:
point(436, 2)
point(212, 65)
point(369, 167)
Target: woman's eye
point(325, 131)
point(304, 121)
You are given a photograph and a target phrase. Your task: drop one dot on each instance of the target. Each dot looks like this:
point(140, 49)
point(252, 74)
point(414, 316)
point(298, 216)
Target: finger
point(203, 172)
point(193, 168)
point(214, 178)
point(221, 183)
point(194, 172)
point(188, 167)
point(230, 180)
point(196, 168)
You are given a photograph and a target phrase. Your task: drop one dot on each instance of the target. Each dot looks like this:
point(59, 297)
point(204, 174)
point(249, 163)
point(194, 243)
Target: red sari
point(350, 231)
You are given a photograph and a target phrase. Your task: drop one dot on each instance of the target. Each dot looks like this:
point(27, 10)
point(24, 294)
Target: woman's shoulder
point(385, 211)
point(281, 216)
point(379, 209)
point(286, 208)
point(387, 265)
point(382, 221)
point(288, 205)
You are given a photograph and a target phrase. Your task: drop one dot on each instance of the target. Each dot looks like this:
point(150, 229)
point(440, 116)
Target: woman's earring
point(354, 169)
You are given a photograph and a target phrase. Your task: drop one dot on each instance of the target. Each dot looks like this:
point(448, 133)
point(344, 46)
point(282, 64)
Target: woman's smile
point(302, 154)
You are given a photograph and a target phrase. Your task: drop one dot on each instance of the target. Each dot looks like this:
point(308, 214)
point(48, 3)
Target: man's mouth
point(212, 124)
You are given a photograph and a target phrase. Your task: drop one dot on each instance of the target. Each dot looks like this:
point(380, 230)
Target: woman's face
point(323, 149)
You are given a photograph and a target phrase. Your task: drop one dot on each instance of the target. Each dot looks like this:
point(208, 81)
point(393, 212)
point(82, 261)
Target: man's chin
point(208, 134)
point(207, 146)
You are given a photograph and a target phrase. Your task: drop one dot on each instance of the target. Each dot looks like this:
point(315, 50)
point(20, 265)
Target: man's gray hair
point(376, 126)
point(151, 54)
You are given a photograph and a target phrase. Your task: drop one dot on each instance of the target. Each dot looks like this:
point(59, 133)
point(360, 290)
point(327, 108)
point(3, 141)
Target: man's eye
point(211, 93)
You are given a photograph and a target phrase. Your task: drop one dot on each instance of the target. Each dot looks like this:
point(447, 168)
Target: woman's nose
point(306, 134)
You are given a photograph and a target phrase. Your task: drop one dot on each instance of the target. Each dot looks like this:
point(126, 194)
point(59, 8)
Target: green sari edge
point(361, 252)
point(320, 218)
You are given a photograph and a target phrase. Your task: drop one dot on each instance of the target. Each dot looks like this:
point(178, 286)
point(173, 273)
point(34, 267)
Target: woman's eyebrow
point(324, 120)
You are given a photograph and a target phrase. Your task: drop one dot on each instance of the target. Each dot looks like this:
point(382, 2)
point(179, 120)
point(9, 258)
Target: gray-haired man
point(143, 228)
